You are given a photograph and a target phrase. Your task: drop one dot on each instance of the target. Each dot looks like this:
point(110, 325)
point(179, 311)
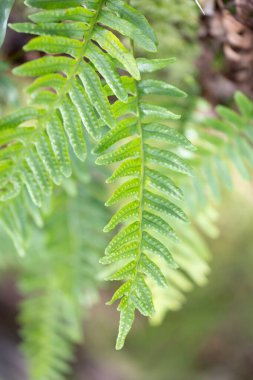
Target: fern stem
point(142, 173)
point(142, 180)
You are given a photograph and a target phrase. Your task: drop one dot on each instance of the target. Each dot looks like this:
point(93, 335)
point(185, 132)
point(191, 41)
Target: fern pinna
point(78, 94)
point(147, 194)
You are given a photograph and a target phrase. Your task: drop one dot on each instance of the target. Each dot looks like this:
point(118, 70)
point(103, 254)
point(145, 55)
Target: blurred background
point(211, 337)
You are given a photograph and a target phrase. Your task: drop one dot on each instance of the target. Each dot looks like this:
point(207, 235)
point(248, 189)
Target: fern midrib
point(142, 177)
point(141, 195)
point(42, 121)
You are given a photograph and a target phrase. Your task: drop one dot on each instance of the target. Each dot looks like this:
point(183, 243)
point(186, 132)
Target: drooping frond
point(59, 281)
point(68, 100)
point(146, 149)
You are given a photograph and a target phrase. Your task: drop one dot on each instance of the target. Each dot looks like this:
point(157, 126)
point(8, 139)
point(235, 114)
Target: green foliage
point(176, 24)
point(35, 139)
point(91, 93)
point(193, 257)
point(59, 280)
point(67, 95)
point(224, 146)
point(57, 277)
point(148, 194)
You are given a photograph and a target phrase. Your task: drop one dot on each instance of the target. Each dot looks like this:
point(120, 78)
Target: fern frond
point(59, 281)
point(149, 194)
point(68, 98)
point(225, 145)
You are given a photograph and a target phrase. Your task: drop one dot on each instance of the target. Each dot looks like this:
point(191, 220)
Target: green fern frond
point(59, 281)
point(68, 99)
point(224, 145)
point(146, 149)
